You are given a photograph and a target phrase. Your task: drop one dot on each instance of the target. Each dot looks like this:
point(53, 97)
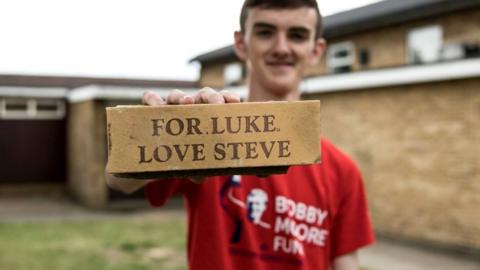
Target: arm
point(346, 262)
point(125, 185)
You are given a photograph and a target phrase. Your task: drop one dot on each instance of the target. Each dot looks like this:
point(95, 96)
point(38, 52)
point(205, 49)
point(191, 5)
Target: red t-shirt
point(300, 220)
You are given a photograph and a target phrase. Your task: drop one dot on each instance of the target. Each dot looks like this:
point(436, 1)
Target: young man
point(313, 217)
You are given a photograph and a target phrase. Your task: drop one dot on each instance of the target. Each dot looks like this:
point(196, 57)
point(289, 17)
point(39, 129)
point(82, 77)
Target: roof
point(74, 82)
point(369, 17)
point(218, 54)
point(390, 12)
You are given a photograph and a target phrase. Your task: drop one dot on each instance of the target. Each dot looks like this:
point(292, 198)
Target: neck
point(257, 92)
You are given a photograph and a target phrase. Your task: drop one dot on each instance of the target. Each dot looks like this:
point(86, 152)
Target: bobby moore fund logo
point(294, 223)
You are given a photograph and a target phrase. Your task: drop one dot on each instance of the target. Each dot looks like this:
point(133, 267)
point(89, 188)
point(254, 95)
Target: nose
point(281, 46)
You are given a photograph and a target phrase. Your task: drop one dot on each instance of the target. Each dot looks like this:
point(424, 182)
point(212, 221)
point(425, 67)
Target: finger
point(176, 97)
point(201, 96)
point(209, 96)
point(152, 99)
point(230, 97)
point(186, 100)
point(215, 98)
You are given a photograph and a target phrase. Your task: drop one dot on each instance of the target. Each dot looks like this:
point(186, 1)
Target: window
point(233, 74)
point(452, 51)
point(364, 58)
point(340, 57)
point(459, 50)
point(472, 50)
point(39, 109)
point(424, 44)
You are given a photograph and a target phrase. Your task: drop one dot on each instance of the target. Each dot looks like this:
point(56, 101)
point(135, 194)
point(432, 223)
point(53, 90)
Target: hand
point(204, 96)
point(209, 96)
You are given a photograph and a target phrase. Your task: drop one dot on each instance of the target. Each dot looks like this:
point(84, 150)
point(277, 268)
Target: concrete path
point(36, 209)
point(391, 255)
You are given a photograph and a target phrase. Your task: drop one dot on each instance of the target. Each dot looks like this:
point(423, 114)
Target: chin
point(281, 89)
point(283, 85)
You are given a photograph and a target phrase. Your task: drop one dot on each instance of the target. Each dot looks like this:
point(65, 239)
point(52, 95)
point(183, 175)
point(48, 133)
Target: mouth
point(280, 64)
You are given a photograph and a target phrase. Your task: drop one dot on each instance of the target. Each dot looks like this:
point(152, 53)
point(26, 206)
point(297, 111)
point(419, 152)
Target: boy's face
point(278, 45)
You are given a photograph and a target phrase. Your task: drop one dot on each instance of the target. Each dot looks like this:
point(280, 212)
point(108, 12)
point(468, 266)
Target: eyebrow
point(300, 29)
point(271, 26)
point(263, 25)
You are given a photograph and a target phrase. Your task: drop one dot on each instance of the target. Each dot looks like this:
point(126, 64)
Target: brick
point(206, 139)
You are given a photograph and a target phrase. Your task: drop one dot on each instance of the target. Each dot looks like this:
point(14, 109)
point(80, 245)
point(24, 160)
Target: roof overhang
point(33, 92)
point(453, 70)
point(93, 92)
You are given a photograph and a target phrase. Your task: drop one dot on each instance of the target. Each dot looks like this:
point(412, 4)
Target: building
point(53, 131)
point(400, 92)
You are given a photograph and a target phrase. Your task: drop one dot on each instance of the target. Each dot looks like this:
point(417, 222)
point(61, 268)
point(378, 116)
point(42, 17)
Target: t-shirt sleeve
point(159, 191)
point(352, 227)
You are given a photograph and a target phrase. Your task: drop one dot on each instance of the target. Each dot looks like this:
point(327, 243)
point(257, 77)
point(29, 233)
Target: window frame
point(239, 76)
point(32, 111)
point(334, 63)
point(409, 56)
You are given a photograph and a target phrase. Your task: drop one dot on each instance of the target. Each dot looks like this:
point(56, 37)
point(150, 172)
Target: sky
point(150, 39)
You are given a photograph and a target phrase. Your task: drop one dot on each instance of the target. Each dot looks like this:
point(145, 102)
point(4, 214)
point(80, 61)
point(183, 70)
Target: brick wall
point(418, 148)
point(87, 153)
point(212, 76)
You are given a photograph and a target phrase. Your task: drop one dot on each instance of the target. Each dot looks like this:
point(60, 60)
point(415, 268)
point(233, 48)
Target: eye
point(264, 33)
point(297, 36)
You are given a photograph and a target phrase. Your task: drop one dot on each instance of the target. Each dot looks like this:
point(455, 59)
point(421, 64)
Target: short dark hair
point(281, 4)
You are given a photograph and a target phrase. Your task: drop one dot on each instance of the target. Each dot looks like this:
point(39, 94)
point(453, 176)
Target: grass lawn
point(116, 243)
point(138, 243)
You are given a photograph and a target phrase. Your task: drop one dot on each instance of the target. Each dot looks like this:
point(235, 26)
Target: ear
point(318, 50)
point(239, 46)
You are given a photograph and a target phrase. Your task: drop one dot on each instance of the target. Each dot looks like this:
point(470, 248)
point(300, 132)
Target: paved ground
point(384, 255)
point(61, 208)
point(390, 255)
